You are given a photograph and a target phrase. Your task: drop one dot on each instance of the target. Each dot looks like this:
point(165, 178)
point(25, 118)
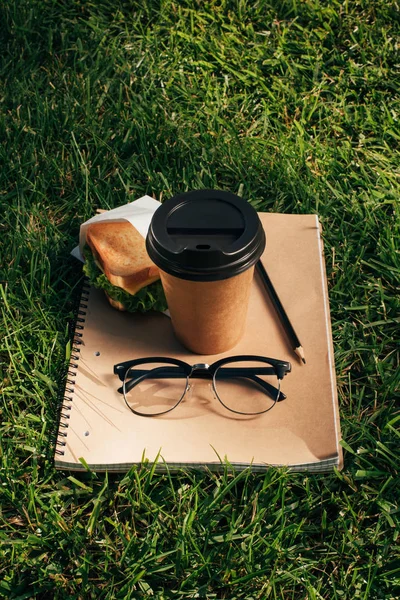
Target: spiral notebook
point(303, 432)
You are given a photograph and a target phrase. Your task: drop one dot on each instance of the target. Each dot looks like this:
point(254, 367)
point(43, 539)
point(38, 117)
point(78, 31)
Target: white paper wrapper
point(139, 213)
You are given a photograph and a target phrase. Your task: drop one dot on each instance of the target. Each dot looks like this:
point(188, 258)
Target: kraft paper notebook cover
point(302, 432)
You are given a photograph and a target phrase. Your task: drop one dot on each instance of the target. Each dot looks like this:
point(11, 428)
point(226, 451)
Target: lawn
point(294, 105)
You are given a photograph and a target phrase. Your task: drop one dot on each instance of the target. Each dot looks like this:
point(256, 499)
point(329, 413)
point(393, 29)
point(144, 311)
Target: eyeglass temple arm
point(176, 373)
point(268, 387)
point(172, 371)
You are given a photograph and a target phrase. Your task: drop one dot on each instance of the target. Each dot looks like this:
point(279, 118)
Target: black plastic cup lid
point(205, 235)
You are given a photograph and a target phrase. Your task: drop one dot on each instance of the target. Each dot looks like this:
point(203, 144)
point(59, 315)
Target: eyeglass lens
point(246, 386)
point(154, 388)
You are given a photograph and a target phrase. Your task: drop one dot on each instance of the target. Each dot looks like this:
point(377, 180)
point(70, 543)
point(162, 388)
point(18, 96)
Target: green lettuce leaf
point(151, 297)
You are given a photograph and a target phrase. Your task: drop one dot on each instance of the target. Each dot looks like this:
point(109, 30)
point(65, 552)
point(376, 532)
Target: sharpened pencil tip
point(300, 353)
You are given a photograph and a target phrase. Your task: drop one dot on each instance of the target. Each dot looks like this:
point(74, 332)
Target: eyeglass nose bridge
point(198, 366)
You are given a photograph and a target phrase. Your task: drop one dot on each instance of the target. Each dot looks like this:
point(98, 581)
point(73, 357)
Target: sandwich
point(116, 261)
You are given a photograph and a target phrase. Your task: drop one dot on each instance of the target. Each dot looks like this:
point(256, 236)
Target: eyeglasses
point(245, 385)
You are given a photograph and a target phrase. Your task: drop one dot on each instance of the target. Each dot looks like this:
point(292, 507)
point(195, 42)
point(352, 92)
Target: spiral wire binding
point(67, 398)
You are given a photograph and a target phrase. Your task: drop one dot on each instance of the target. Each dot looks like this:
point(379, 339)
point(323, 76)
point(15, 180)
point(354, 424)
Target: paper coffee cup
point(206, 244)
point(208, 317)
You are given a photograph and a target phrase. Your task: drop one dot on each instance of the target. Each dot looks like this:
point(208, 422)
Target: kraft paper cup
point(208, 317)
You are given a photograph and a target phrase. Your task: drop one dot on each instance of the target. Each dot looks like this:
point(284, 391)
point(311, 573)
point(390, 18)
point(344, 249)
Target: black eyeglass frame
point(279, 368)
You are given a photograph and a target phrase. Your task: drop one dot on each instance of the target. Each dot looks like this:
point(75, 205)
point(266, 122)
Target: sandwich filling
point(150, 297)
point(116, 261)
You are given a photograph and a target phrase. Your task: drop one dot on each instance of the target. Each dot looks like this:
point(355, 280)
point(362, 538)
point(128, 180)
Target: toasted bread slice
point(120, 252)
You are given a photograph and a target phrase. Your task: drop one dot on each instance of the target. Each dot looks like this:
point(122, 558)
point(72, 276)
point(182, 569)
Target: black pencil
point(294, 340)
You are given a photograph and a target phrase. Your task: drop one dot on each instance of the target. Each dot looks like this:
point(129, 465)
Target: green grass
point(293, 104)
